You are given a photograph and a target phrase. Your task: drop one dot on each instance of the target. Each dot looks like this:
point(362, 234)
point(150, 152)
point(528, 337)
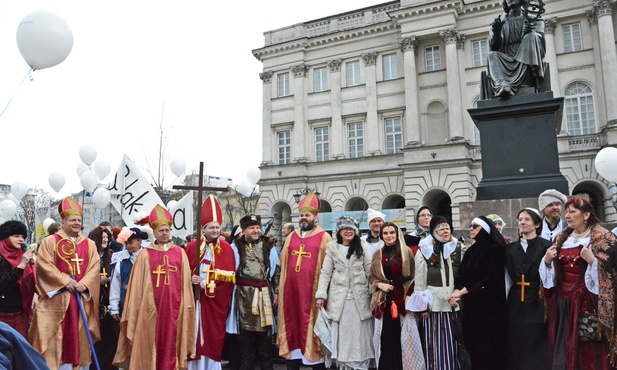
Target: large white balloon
point(253, 175)
point(81, 168)
point(101, 168)
point(101, 198)
point(19, 189)
point(87, 154)
point(44, 39)
point(56, 181)
point(177, 166)
point(606, 163)
point(7, 209)
point(88, 181)
point(12, 198)
point(245, 188)
point(48, 222)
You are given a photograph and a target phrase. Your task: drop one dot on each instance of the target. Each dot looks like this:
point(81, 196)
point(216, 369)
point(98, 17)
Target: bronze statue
point(517, 45)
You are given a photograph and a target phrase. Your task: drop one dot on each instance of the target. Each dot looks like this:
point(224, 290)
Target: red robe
point(215, 304)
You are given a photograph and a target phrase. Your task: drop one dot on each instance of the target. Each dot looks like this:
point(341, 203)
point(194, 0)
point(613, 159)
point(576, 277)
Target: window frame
point(322, 145)
point(394, 137)
point(358, 140)
point(569, 38)
point(434, 50)
point(286, 146)
point(390, 68)
point(320, 79)
point(283, 84)
point(355, 79)
point(479, 55)
point(585, 118)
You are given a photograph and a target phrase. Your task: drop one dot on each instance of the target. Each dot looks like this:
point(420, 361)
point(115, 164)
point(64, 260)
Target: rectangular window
point(320, 79)
point(433, 58)
point(572, 37)
point(322, 147)
point(353, 73)
point(283, 84)
point(390, 68)
point(284, 146)
point(394, 135)
point(356, 140)
point(480, 52)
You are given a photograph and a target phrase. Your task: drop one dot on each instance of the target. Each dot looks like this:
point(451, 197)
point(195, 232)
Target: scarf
point(26, 281)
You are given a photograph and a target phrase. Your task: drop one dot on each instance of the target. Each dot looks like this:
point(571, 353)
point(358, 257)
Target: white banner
point(182, 213)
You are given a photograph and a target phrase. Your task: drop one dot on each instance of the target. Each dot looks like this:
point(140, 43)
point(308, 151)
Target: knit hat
point(250, 220)
point(373, 214)
point(12, 228)
point(495, 217)
point(346, 222)
point(550, 196)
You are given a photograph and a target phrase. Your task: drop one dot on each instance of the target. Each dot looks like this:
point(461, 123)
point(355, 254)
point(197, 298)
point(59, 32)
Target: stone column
point(455, 116)
point(300, 140)
point(599, 102)
point(603, 10)
point(371, 126)
point(336, 128)
point(412, 112)
point(266, 117)
point(551, 55)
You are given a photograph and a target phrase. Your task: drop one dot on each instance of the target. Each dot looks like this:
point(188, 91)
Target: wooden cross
point(210, 281)
point(199, 188)
point(78, 261)
point(523, 284)
point(104, 274)
point(301, 253)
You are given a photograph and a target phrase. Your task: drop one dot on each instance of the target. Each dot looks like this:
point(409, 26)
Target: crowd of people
point(385, 300)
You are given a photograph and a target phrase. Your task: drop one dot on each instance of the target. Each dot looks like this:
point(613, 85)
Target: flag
point(182, 214)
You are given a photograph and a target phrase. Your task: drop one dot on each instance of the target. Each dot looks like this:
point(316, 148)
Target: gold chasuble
point(157, 326)
point(301, 260)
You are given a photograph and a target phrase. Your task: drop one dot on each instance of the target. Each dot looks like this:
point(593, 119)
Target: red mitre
point(310, 203)
point(159, 216)
point(69, 207)
point(211, 211)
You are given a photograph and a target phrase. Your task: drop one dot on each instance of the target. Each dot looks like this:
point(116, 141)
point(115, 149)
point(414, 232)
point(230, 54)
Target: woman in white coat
point(344, 292)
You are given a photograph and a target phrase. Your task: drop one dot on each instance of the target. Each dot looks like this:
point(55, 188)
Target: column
point(604, 9)
point(300, 139)
point(336, 128)
point(412, 112)
point(371, 126)
point(599, 101)
point(455, 114)
point(266, 117)
point(551, 55)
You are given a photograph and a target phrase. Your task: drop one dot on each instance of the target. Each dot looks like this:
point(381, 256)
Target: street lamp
point(304, 191)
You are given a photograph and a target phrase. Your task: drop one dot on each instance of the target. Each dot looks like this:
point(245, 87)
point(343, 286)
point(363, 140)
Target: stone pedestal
point(519, 146)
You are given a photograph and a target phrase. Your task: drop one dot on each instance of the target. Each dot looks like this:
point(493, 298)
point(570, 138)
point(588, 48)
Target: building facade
point(369, 107)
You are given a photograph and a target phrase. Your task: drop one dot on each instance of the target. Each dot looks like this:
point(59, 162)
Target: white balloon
point(245, 188)
point(7, 209)
point(101, 168)
point(88, 181)
point(253, 175)
point(101, 198)
point(44, 39)
point(177, 166)
point(47, 222)
point(606, 163)
point(87, 154)
point(12, 198)
point(56, 181)
point(81, 168)
point(171, 204)
point(19, 189)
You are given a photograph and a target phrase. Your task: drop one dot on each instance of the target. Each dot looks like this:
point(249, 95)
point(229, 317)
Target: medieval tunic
point(57, 330)
point(157, 327)
point(527, 333)
point(217, 269)
point(301, 260)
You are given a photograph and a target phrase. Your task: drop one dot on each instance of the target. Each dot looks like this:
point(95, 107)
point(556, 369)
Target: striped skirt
point(438, 344)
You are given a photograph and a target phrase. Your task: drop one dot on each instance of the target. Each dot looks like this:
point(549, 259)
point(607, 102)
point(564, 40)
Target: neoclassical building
point(369, 107)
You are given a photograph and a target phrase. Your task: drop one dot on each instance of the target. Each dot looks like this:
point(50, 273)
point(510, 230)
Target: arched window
point(580, 112)
point(436, 123)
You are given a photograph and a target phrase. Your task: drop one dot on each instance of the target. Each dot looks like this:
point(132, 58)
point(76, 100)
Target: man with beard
point(301, 260)
point(549, 204)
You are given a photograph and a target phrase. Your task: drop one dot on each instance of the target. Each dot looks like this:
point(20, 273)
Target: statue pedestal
point(519, 146)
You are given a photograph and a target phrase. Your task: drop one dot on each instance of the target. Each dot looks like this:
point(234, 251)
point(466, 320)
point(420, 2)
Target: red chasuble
point(216, 303)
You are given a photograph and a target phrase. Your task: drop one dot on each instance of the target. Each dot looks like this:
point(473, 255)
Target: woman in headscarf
point(17, 278)
point(579, 275)
point(344, 291)
point(396, 339)
point(436, 265)
point(499, 225)
point(527, 333)
point(481, 287)
point(422, 218)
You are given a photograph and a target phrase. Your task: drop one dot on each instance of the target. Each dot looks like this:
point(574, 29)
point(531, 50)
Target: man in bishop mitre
point(67, 264)
point(215, 276)
point(301, 260)
point(157, 328)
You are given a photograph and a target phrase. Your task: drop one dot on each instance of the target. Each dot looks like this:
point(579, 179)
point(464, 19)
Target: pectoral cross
point(104, 274)
point(523, 284)
point(161, 271)
point(210, 281)
point(78, 261)
point(301, 253)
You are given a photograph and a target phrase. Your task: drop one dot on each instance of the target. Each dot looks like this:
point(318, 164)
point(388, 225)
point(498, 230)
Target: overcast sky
point(133, 63)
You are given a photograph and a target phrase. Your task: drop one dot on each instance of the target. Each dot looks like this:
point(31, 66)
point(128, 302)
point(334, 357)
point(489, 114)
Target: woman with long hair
point(344, 292)
point(579, 274)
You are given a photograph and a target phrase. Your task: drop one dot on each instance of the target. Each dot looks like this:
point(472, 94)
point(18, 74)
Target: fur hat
point(12, 228)
point(250, 220)
point(373, 214)
point(550, 196)
point(346, 222)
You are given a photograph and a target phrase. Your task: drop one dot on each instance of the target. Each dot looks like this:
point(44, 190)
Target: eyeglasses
point(474, 226)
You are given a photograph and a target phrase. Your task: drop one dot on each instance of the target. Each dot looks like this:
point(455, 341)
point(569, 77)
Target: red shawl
point(27, 280)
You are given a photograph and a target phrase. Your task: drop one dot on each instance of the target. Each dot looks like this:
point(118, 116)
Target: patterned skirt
point(437, 342)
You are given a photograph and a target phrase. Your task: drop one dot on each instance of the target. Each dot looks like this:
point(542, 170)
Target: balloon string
point(21, 83)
